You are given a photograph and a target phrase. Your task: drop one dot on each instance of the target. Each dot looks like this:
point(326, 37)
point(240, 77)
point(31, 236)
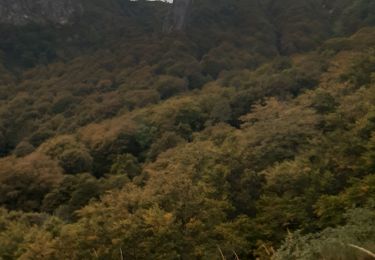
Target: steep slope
point(42, 11)
point(300, 160)
point(254, 124)
point(179, 16)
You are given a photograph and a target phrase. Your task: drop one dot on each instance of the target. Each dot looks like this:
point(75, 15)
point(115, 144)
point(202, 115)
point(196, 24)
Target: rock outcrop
point(20, 12)
point(178, 17)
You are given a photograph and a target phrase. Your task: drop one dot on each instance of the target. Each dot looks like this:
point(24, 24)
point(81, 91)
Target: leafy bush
point(169, 86)
point(23, 149)
point(25, 181)
point(336, 242)
point(40, 136)
point(75, 161)
point(127, 165)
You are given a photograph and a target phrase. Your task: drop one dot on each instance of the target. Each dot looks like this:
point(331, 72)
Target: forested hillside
point(249, 135)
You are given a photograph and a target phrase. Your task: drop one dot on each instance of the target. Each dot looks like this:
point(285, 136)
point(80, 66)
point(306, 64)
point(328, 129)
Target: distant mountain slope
point(18, 12)
point(265, 27)
point(114, 42)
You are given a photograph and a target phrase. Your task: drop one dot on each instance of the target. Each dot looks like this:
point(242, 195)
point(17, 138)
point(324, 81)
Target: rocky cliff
point(19, 12)
point(179, 15)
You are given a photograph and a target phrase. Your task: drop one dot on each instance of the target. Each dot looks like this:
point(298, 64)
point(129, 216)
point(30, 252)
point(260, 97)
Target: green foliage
point(324, 103)
point(76, 161)
point(27, 235)
point(169, 86)
point(29, 45)
point(246, 129)
point(127, 165)
point(336, 242)
point(25, 181)
point(167, 141)
point(75, 192)
point(23, 149)
point(356, 15)
point(362, 71)
point(40, 136)
point(63, 103)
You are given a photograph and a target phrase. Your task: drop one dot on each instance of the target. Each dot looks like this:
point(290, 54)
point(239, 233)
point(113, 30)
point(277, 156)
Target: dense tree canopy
point(251, 135)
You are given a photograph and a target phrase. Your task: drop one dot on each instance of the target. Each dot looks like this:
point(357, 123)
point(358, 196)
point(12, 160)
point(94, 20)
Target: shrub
point(63, 104)
point(141, 98)
point(74, 192)
point(75, 161)
point(126, 164)
point(169, 86)
point(105, 85)
point(23, 148)
point(24, 182)
point(40, 136)
point(324, 103)
point(166, 141)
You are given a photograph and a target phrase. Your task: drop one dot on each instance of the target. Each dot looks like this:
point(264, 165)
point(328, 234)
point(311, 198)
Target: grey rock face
point(20, 12)
point(179, 15)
